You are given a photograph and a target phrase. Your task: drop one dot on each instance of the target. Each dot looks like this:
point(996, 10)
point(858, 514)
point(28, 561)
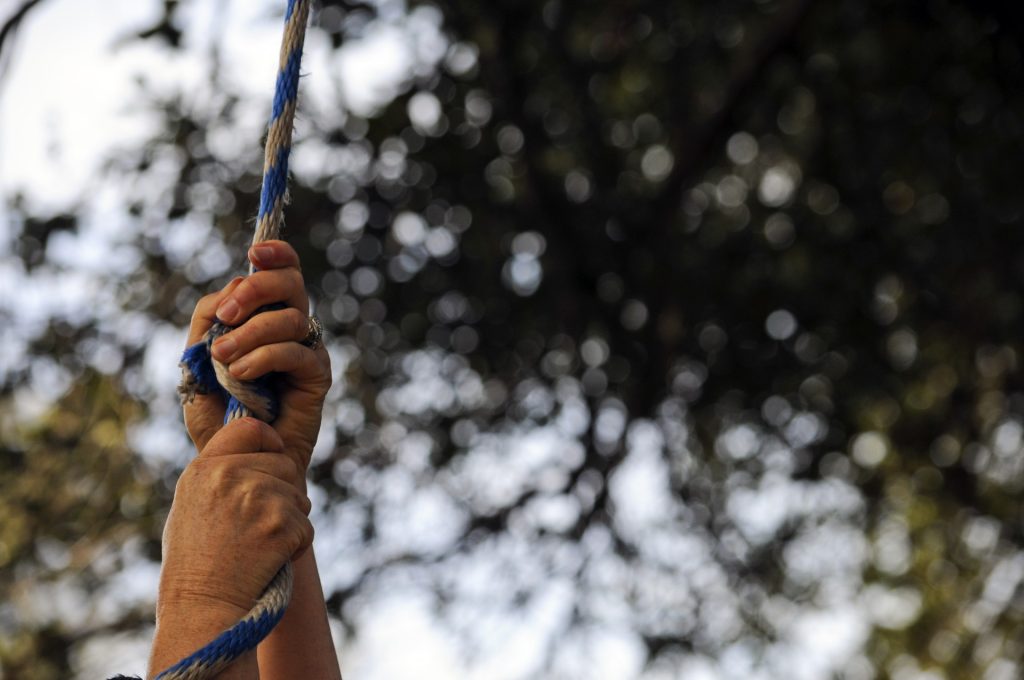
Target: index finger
point(273, 255)
point(206, 312)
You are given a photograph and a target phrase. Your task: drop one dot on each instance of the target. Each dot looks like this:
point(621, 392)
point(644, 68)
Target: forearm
point(300, 646)
point(182, 630)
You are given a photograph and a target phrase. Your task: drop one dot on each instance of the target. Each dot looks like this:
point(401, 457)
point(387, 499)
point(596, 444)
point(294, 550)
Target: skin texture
point(301, 644)
point(237, 516)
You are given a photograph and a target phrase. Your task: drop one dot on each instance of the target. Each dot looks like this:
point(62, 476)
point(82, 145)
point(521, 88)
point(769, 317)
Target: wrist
point(180, 598)
point(185, 624)
point(199, 620)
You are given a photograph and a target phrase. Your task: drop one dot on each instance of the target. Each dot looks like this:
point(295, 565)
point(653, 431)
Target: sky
point(66, 104)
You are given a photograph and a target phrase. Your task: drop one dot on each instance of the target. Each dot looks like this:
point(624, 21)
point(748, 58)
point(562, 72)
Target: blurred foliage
point(778, 239)
point(74, 503)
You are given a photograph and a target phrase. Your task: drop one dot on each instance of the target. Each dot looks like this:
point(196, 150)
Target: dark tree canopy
point(690, 324)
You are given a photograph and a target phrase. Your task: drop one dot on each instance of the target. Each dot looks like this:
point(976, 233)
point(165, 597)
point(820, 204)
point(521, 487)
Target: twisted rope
point(279, 134)
point(201, 374)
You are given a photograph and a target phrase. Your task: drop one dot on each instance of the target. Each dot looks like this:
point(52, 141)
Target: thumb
point(203, 417)
point(244, 435)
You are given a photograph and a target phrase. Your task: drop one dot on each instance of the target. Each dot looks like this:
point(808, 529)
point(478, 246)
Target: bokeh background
point(672, 339)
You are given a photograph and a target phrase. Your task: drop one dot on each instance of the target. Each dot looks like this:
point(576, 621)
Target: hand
point(237, 516)
point(267, 342)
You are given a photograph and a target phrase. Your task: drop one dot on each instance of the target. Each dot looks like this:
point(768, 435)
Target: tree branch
point(10, 26)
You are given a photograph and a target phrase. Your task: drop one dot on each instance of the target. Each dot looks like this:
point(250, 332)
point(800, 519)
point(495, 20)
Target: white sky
point(67, 101)
point(64, 102)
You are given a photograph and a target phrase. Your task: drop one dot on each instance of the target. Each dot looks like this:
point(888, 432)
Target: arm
point(301, 645)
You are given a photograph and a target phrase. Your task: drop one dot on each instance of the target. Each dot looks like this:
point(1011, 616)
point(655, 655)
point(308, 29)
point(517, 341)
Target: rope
point(202, 374)
point(279, 135)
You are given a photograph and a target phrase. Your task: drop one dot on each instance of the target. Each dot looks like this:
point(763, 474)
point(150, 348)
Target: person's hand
point(237, 517)
point(267, 342)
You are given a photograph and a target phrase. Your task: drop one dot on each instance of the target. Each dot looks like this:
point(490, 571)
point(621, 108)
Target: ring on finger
point(315, 334)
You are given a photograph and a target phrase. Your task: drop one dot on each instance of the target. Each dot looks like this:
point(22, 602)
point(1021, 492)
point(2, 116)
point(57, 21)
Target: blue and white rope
point(203, 374)
point(279, 134)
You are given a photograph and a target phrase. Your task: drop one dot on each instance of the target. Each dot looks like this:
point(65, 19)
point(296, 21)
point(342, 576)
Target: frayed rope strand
point(201, 374)
point(279, 135)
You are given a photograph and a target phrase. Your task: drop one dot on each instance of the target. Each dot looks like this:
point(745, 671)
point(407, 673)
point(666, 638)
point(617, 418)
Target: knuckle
point(247, 289)
point(265, 319)
point(256, 288)
point(249, 329)
point(219, 478)
point(242, 337)
point(296, 354)
point(299, 322)
point(277, 521)
point(252, 502)
point(262, 355)
point(239, 334)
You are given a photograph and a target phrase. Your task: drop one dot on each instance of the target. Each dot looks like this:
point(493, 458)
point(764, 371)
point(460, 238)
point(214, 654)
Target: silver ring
point(315, 336)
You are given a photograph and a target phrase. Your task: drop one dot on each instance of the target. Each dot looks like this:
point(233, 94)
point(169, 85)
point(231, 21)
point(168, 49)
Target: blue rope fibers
point(287, 88)
point(275, 176)
point(228, 646)
point(275, 184)
point(195, 362)
point(279, 132)
point(259, 395)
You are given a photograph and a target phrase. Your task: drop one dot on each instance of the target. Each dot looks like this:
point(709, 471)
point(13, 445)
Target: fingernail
point(227, 311)
point(239, 368)
point(263, 253)
point(224, 347)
